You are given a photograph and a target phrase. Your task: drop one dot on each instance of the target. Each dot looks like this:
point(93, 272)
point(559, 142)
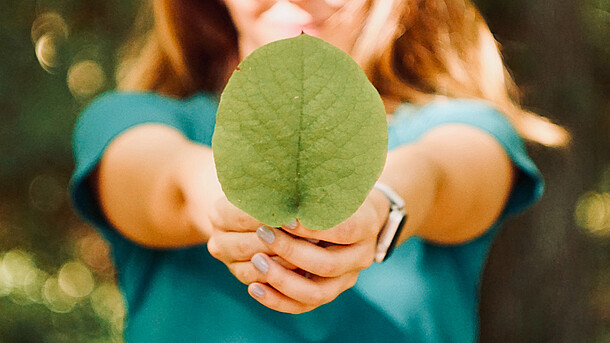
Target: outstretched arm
point(455, 181)
point(160, 190)
point(138, 183)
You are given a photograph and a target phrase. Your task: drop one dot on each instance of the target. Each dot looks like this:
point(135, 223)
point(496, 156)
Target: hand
point(230, 233)
point(328, 269)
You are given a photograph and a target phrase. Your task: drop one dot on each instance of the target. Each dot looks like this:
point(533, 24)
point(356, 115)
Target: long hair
point(412, 50)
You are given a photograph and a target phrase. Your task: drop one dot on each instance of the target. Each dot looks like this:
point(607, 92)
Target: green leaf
point(300, 133)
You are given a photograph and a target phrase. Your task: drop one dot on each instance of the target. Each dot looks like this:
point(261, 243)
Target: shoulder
point(115, 111)
point(410, 122)
point(136, 103)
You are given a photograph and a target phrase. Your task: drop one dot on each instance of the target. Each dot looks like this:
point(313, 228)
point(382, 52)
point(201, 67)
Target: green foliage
point(301, 133)
point(38, 109)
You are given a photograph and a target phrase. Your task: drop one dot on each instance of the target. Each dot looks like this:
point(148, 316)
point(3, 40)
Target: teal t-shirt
point(423, 293)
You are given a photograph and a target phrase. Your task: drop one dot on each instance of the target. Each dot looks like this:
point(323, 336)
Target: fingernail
point(292, 225)
point(257, 291)
point(265, 234)
point(260, 263)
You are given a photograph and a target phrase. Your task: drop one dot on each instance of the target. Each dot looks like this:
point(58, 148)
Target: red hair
point(412, 50)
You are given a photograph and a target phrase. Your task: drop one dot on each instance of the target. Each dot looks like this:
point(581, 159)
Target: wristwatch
point(388, 236)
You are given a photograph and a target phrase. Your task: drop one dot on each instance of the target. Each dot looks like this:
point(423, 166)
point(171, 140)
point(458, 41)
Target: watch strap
point(388, 236)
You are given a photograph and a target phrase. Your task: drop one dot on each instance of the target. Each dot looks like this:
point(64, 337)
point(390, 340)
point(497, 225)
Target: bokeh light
point(5, 287)
point(49, 33)
point(55, 299)
point(86, 79)
point(593, 213)
point(107, 303)
point(16, 270)
point(47, 52)
point(15, 267)
point(75, 279)
point(92, 250)
point(35, 281)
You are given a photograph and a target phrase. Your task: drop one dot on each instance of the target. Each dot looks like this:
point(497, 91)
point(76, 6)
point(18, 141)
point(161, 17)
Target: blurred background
point(548, 276)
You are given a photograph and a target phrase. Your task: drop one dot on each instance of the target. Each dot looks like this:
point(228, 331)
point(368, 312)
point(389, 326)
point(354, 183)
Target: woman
point(145, 176)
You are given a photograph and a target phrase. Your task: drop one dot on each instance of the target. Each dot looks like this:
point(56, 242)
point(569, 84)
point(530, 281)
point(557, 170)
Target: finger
point(246, 272)
point(275, 300)
point(313, 292)
point(236, 246)
point(283, 262)
point(360, 226)
point(231, 218)
point(331, 261)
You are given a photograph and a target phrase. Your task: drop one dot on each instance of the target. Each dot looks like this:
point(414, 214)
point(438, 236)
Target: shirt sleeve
point(529, 185)
point(100, 122)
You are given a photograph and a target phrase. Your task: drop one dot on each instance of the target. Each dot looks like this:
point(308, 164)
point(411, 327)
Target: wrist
point(388, 237)
point(382, 208)
point(414, 174)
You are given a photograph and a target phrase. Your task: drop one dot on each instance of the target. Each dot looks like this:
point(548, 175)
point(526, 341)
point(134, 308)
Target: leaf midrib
point(299, 130)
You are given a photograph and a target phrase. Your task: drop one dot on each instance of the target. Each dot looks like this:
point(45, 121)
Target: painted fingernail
point(265, 234)
point(292, 225)
point(257, 291)
point(260, 263)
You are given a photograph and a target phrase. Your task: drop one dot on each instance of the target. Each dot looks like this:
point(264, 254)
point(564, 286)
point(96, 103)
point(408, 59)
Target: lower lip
point(296, 29)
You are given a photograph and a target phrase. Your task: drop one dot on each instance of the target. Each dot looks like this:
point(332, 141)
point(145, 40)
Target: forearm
point(139, 187)
point(416, 179)
point(455, 181)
